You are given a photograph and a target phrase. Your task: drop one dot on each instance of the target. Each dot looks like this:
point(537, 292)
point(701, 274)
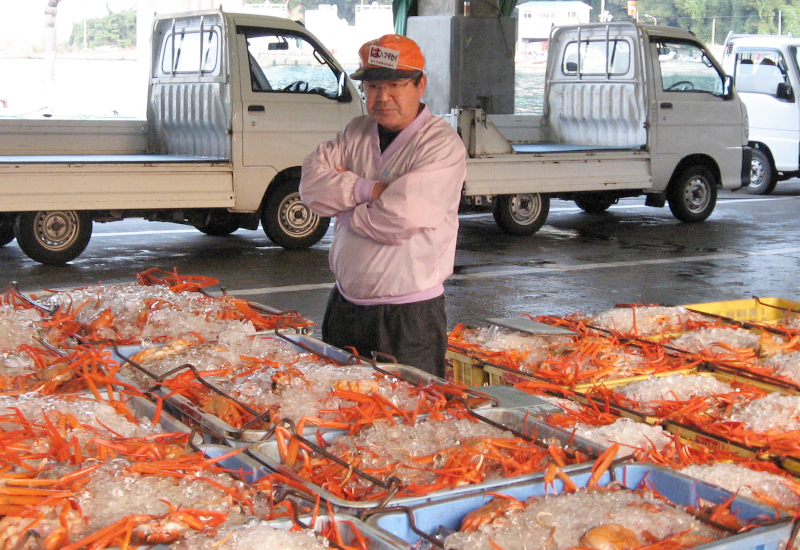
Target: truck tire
point(287, 221)
point(596, 203)
point(522, 214)
point(6, 231)
point(692, 195)
point(55, 237)
point(220, 224)
point(763, 178)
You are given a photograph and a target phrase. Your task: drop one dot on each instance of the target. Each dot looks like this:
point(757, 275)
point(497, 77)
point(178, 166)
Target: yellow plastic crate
point(465, 369)
point(755, 380)
point(758, 310)
point(712, 441)
point(500, 375)
point(654, 420)
point(790, 464)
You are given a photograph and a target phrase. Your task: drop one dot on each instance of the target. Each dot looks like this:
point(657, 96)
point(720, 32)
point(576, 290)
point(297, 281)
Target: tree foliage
point(115, 30)
point(721, 16)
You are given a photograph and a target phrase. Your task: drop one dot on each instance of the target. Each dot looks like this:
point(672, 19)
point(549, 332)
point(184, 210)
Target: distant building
point(267, 8)
point(325, 24)
point(537, 18)
point(372, 20)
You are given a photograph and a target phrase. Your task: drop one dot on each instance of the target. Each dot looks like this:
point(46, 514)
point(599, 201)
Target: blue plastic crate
point(267, 453)
point(676, 487)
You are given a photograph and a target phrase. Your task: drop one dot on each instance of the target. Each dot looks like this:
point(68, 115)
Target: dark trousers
point(415, 334)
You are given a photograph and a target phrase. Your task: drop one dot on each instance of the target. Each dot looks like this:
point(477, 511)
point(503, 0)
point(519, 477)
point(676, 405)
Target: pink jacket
point(401, 247)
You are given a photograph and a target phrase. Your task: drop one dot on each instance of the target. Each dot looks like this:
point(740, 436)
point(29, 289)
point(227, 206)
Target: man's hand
point(377, 190)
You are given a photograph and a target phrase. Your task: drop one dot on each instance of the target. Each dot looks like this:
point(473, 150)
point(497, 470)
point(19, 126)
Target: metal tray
point(301, 342)
point(143, 407)
point(246, 467)
point(676, 487)
point(217, 430)
point(376, 539)
point(516, 420)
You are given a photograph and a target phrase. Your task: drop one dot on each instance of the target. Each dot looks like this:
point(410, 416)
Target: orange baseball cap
point(390, 57)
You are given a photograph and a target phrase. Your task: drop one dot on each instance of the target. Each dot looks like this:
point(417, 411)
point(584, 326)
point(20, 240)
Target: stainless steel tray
point(217, 430)
point(267, 453)
point(376, 539)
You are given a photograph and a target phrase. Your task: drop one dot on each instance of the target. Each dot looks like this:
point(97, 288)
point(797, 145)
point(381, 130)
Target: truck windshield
point(685, 67)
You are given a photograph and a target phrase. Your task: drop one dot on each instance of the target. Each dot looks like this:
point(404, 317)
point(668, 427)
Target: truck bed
point(114, 182)
point(104, 159)
point(589, 168)
point(553, 147)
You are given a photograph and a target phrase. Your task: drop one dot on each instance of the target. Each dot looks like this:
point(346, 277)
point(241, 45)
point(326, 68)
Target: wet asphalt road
point(577, 262)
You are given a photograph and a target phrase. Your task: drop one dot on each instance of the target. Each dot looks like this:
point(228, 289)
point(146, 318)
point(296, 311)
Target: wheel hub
point(756, 173)
point(56, 230)
point(296, 217)
point(696, 195)
point(525, 208)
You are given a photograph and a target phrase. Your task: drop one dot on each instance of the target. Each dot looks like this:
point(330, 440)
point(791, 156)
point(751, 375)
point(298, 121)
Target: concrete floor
point(576, 262)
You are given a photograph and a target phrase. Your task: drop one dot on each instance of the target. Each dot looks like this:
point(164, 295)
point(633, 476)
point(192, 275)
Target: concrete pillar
point(469, 61)
point(440, 7)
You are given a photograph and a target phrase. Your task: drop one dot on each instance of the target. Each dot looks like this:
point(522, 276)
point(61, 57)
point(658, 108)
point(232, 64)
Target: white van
point(765, 73)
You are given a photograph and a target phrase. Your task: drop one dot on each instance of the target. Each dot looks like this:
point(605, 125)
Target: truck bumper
point(747, 158)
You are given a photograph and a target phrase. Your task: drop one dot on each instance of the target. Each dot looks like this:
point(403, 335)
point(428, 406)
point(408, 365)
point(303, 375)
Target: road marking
point(511, 272)
point(152, 232)
point(276, 289)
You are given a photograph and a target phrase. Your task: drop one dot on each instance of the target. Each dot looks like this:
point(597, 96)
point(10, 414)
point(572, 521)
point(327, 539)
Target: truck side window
point(597, 57)
point(186, 52)
point(685, 67)
point(759, 71)
point(285, 63)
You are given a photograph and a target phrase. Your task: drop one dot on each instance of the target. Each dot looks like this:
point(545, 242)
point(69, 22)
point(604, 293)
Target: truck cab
point(765, 74)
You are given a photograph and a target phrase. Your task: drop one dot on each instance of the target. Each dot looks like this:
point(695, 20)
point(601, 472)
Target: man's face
point(394, 103)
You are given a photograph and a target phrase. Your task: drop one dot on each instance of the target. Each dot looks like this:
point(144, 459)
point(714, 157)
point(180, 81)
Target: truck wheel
point(763, 178)
point(693, 195)
point(6, 231)
point(596, 203)
point(55, 237)
point(288, 222)
point(220, 224)
point(522, 214)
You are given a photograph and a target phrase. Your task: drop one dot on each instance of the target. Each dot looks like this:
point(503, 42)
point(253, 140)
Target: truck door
point(294, 97)
point(772, 110)
point(693, 115)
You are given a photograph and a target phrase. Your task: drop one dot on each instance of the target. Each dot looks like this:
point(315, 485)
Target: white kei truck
point(765, 74)
point(629, 110)
point(235, 102)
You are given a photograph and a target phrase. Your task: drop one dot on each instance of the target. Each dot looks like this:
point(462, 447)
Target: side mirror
point(343, 92)
point(727, 87)
point(785, 91)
